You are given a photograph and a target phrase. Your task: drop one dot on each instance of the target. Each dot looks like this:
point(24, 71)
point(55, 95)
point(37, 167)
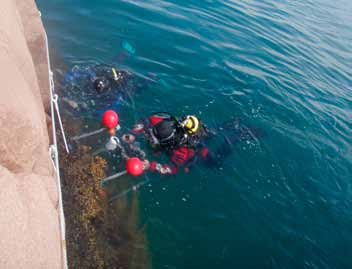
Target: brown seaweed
point(99, 235)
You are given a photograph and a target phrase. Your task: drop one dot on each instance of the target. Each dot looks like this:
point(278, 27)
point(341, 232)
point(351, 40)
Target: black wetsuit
point(195, 148)
point(80, 90)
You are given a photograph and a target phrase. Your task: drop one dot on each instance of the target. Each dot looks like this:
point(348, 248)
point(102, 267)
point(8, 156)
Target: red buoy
point(110, 119)
point(134, 166)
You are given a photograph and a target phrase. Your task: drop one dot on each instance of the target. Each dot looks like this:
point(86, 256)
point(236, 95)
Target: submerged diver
point(110, 80)
point(99, 78)
point(184, 141)
point(93, 89)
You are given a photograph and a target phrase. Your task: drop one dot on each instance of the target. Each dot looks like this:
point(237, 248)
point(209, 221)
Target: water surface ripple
point(283, 201)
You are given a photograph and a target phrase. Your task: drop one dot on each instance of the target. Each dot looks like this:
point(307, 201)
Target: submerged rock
point(99, 235)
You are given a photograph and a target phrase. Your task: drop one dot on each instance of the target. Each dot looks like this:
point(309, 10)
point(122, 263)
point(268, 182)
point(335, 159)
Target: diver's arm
point(163, 169)
point(138, 127)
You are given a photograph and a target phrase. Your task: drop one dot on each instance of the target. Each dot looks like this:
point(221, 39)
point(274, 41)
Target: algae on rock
point(99, 235)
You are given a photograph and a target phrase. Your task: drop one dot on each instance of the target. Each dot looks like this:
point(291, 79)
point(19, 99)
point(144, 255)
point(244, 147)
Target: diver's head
point(191, 124)
point(101, 85)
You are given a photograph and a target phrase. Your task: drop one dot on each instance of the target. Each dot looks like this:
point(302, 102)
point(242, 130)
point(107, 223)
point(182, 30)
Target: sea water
point(282, 200)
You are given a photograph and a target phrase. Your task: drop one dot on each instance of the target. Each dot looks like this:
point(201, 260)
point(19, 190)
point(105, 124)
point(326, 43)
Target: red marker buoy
point(110, 119)
point(134, 166)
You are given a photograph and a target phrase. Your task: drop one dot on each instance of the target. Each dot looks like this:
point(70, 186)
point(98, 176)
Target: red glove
point(182, 155)
point(153, 165)
point(162, 169)
point(173, 170)
point(204, 152)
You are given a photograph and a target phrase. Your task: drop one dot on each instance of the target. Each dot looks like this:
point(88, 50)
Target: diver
point(90, 90)
point(127, 146)
point(184, 140)
point(110, 79)
point(99, 77)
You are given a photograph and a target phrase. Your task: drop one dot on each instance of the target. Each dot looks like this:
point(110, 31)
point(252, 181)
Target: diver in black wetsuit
point(185, 141)
point(107, 80)
point(90, 90)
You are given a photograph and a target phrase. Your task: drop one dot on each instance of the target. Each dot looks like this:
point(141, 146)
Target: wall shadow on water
point(98, 234)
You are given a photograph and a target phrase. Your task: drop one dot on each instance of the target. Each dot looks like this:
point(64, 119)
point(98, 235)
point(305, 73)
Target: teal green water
point(284, 201)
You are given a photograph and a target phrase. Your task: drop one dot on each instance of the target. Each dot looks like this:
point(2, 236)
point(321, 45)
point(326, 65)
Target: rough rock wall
point(29, 224)
point(33, 30)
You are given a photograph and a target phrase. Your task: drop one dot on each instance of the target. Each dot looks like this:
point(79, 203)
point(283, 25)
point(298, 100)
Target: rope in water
point(107, 179)
point(88, 134)
point(131, 189)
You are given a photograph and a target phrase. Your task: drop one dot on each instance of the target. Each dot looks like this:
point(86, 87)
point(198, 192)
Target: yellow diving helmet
point(191, 124)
